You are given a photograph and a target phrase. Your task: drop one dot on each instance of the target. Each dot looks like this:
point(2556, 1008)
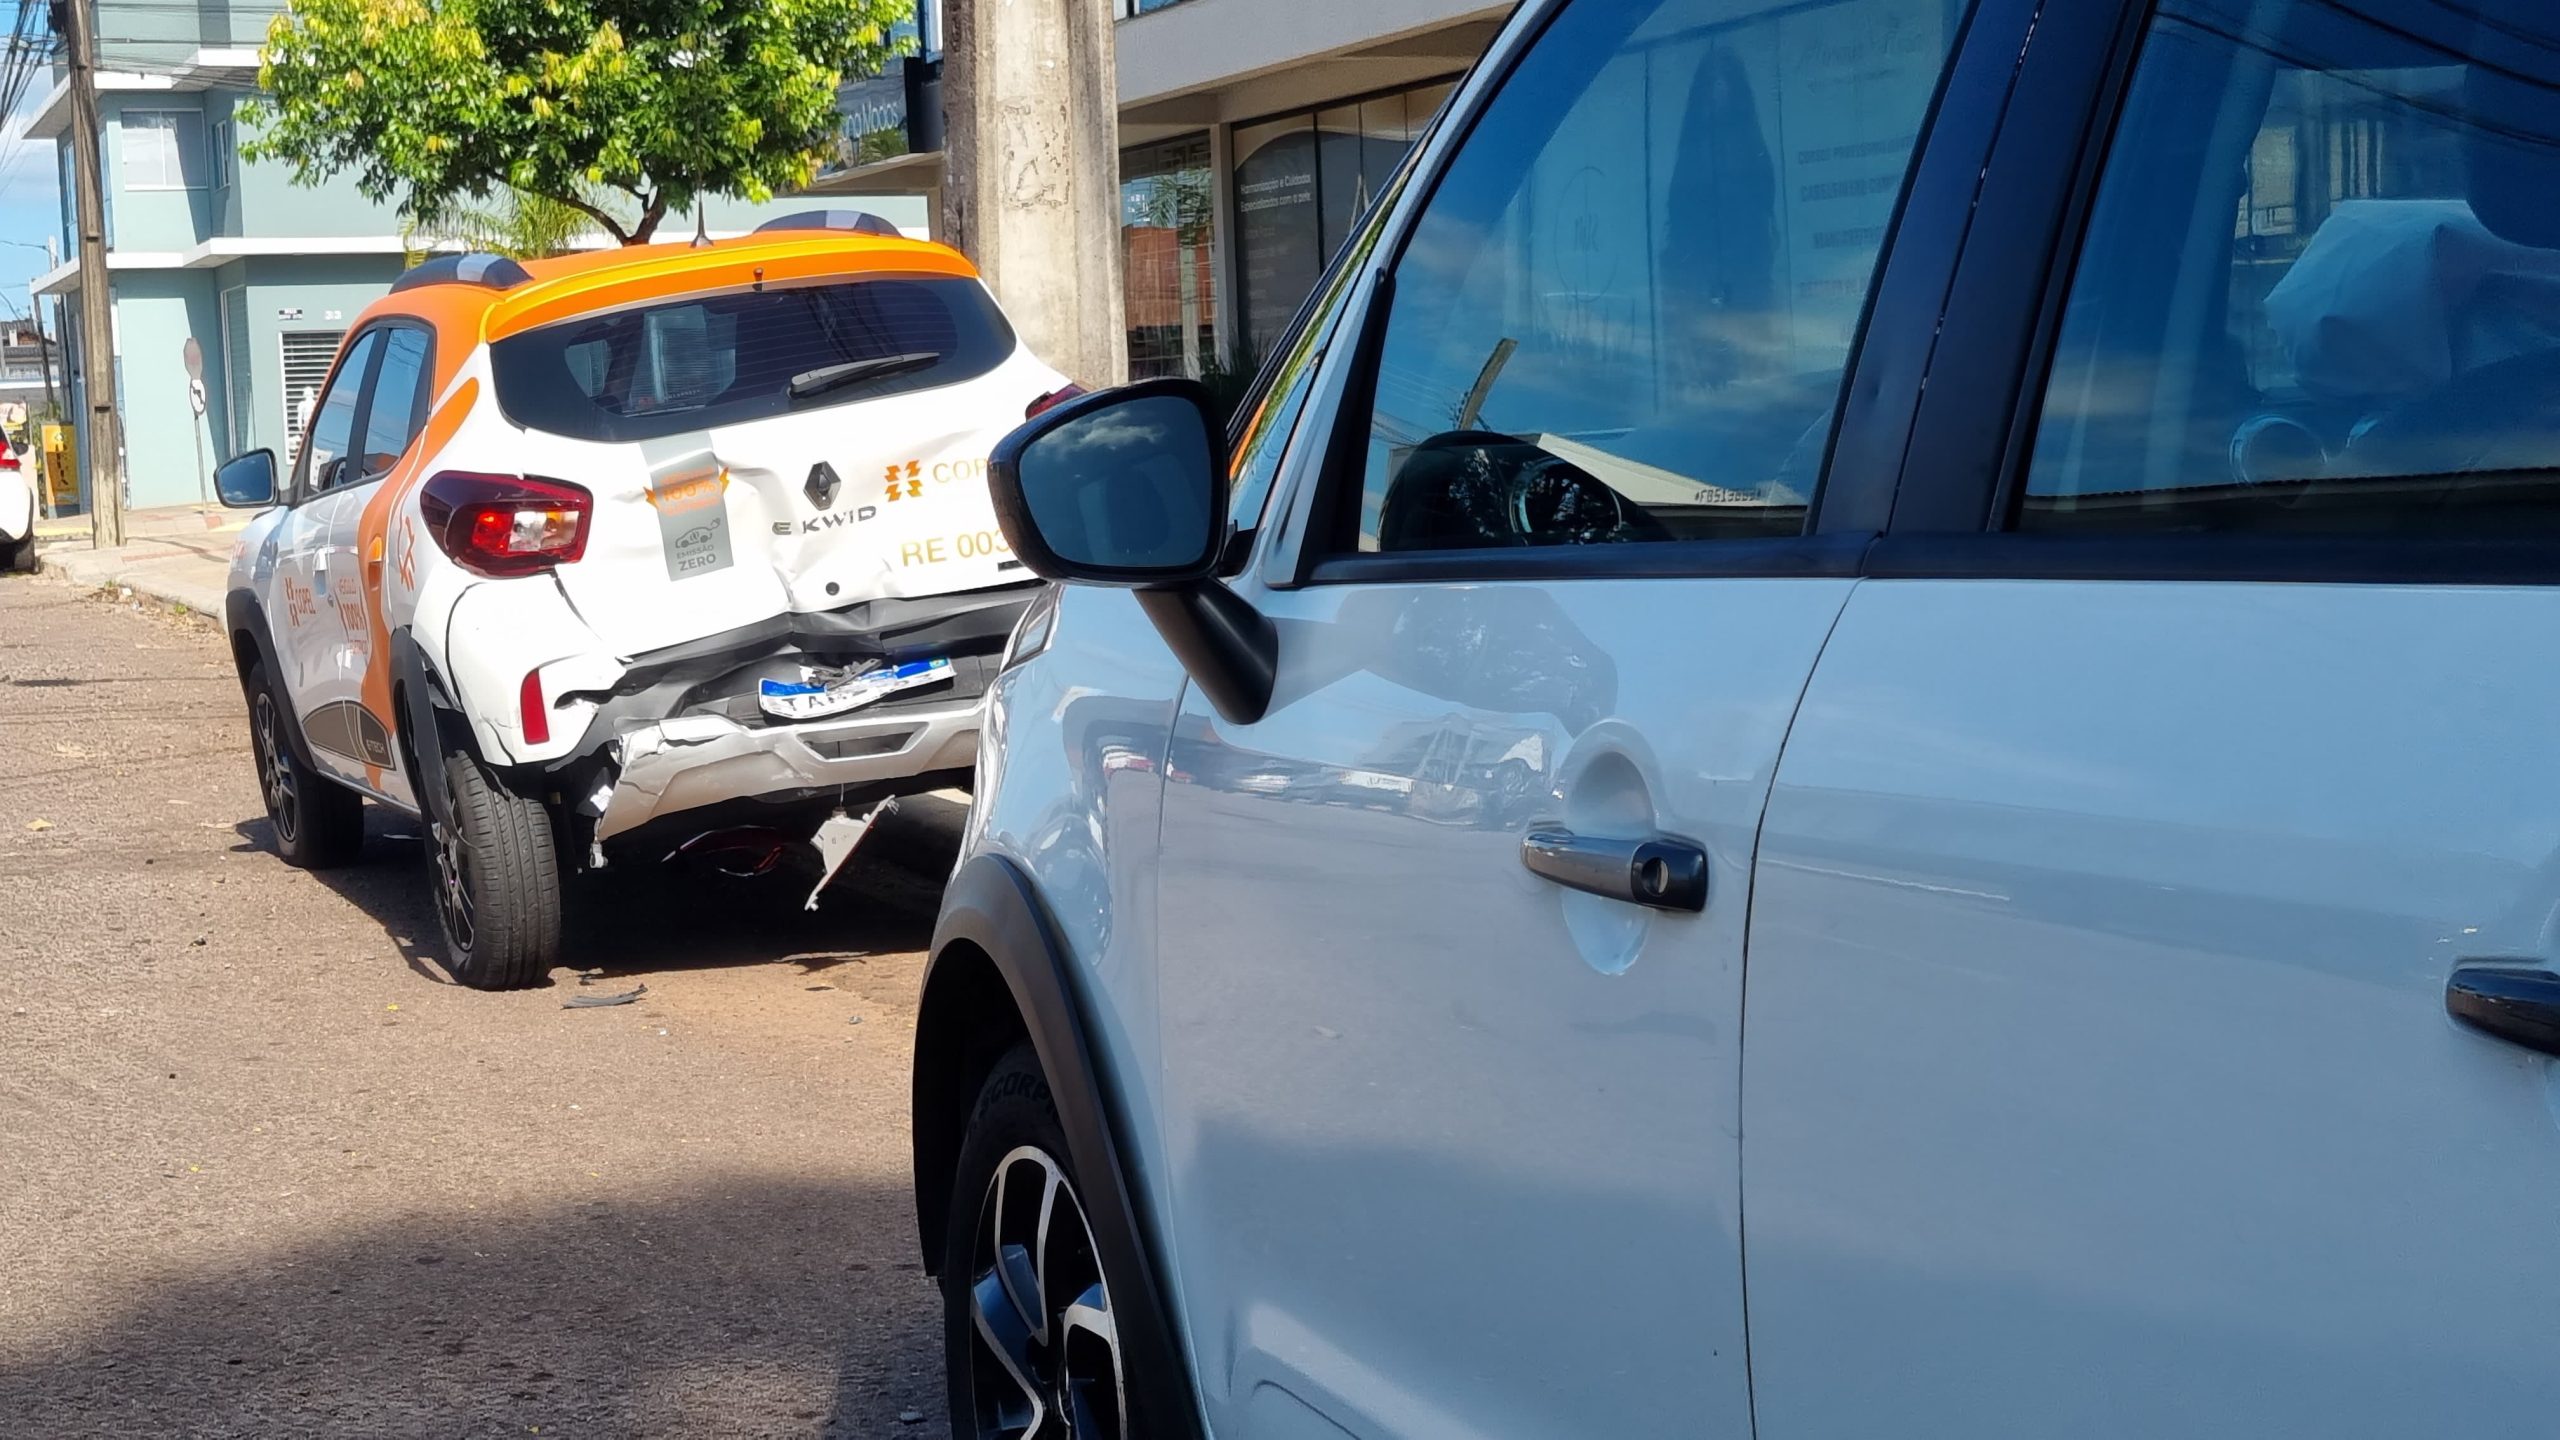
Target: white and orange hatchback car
point(684, 544)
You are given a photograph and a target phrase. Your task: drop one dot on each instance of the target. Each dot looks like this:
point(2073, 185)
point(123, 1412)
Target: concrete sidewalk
point(181, 554)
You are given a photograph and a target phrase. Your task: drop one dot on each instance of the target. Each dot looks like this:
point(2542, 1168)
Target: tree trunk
point(649, 218)
point(1030, 97)
point(601, 216)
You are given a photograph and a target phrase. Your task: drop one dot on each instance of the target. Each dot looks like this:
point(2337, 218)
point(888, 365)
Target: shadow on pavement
point(761, 1307)
point(641, 919)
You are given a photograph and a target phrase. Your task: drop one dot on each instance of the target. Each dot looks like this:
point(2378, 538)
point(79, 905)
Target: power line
point(30, 46)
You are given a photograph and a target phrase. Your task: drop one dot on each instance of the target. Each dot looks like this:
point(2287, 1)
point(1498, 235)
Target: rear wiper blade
point(836, 377)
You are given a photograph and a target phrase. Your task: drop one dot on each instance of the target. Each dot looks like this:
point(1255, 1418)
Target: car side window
point(396, 404)
point(1626, 311)
point(1263, 428)
point(2320, 288)
point(330, 430)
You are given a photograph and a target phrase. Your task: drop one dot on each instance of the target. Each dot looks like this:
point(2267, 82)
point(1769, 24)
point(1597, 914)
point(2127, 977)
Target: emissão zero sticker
point(693, 521)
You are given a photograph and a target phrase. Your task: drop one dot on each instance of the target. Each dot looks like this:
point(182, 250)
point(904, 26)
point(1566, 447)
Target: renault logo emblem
point(822, 485)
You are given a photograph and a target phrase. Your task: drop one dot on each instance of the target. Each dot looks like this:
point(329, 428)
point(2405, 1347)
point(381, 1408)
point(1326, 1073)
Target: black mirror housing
point(1126, 486)
point(247, 482)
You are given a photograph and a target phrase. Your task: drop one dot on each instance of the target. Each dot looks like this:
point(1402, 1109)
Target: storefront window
point(1165, 224)
point(1302, 181)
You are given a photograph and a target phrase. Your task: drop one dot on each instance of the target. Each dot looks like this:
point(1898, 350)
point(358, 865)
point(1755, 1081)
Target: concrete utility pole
point(1030, 96)
point(102, 446)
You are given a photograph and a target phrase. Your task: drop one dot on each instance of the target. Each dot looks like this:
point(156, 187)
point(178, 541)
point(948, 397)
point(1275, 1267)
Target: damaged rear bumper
point(692, 761)
point(685, 731)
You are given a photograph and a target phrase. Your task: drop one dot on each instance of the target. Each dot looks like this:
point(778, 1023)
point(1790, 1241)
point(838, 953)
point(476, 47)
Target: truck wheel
point(319, 823)
point(497, 881)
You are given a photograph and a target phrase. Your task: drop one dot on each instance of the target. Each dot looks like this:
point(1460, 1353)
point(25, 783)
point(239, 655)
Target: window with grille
point(307, 354)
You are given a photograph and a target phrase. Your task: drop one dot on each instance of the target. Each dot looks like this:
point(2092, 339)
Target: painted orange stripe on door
point(373, 541)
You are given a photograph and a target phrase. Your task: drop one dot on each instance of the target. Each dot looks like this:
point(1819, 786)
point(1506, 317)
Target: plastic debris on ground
point(593, 1002)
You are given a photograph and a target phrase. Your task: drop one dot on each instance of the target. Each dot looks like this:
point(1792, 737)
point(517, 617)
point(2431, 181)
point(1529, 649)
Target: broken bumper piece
point(699, 759)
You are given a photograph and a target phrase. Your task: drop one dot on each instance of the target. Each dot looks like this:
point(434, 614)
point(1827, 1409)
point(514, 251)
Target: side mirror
point(1128, 487)
point(247, 482)
point(1122, 487)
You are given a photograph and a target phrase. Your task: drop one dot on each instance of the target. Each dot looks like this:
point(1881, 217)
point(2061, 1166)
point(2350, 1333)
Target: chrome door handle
point(1665, 873)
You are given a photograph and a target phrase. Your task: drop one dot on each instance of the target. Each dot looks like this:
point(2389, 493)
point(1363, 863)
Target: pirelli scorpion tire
point(318, 823)
point(497, 881)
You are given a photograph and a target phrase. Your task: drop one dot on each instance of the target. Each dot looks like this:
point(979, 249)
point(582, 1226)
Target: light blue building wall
point(167, 446)
point(301, 301)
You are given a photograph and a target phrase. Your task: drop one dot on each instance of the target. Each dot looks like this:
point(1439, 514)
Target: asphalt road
point(264, 1172)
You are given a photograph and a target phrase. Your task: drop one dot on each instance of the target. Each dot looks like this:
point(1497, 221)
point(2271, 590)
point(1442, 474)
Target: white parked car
point(17, 511)
point(1907, 650)
point(611, 554)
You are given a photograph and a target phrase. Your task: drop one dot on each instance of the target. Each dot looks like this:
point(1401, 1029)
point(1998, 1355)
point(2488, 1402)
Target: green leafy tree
point(621, 110)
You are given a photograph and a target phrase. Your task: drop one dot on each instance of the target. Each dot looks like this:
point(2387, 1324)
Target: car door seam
point(1742, 1028)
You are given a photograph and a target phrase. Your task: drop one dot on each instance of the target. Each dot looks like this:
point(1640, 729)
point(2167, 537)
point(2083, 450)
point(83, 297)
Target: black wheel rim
point(1044, 1351)
point(454, 871)
point(275, 771)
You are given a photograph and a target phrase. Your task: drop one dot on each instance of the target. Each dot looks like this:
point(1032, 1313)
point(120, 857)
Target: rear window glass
point(719, 359)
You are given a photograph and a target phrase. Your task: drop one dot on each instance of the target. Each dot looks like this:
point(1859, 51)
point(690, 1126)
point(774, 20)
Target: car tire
point(318, 823)
point(496, 878)
point(1028, 1343)
point(18, 557)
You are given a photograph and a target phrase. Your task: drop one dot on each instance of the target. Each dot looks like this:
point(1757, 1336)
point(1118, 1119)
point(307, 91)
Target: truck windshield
point(719, 359)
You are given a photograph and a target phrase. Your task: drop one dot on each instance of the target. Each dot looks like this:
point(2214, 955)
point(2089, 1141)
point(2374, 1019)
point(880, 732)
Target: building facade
point(1253, 135)
point(230, 285)
point(1253, 132)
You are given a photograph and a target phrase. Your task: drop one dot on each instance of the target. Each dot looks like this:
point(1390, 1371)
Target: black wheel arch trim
point(992, 907)
point(243, 615)
point(421, 739)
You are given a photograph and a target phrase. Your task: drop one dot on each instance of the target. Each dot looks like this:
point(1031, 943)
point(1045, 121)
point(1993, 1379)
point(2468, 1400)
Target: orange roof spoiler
point(575, 285)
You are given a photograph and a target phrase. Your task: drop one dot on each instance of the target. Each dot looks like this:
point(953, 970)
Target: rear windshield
point(712, 360)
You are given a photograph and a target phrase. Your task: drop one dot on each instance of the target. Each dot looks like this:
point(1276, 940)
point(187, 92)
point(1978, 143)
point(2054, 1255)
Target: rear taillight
point(8, 458)
point(504, 525)
point(1059, 396)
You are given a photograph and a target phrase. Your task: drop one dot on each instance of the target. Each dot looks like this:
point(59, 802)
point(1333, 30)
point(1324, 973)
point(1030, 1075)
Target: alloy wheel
point(1046, 1353)
point(275, 771)
point(453, 873)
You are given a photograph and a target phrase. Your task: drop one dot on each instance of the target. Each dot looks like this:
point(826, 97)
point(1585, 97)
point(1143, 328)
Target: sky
point(30, 205)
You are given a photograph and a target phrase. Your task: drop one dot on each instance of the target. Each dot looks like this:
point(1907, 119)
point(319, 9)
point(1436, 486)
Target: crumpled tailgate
point(697, 533)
